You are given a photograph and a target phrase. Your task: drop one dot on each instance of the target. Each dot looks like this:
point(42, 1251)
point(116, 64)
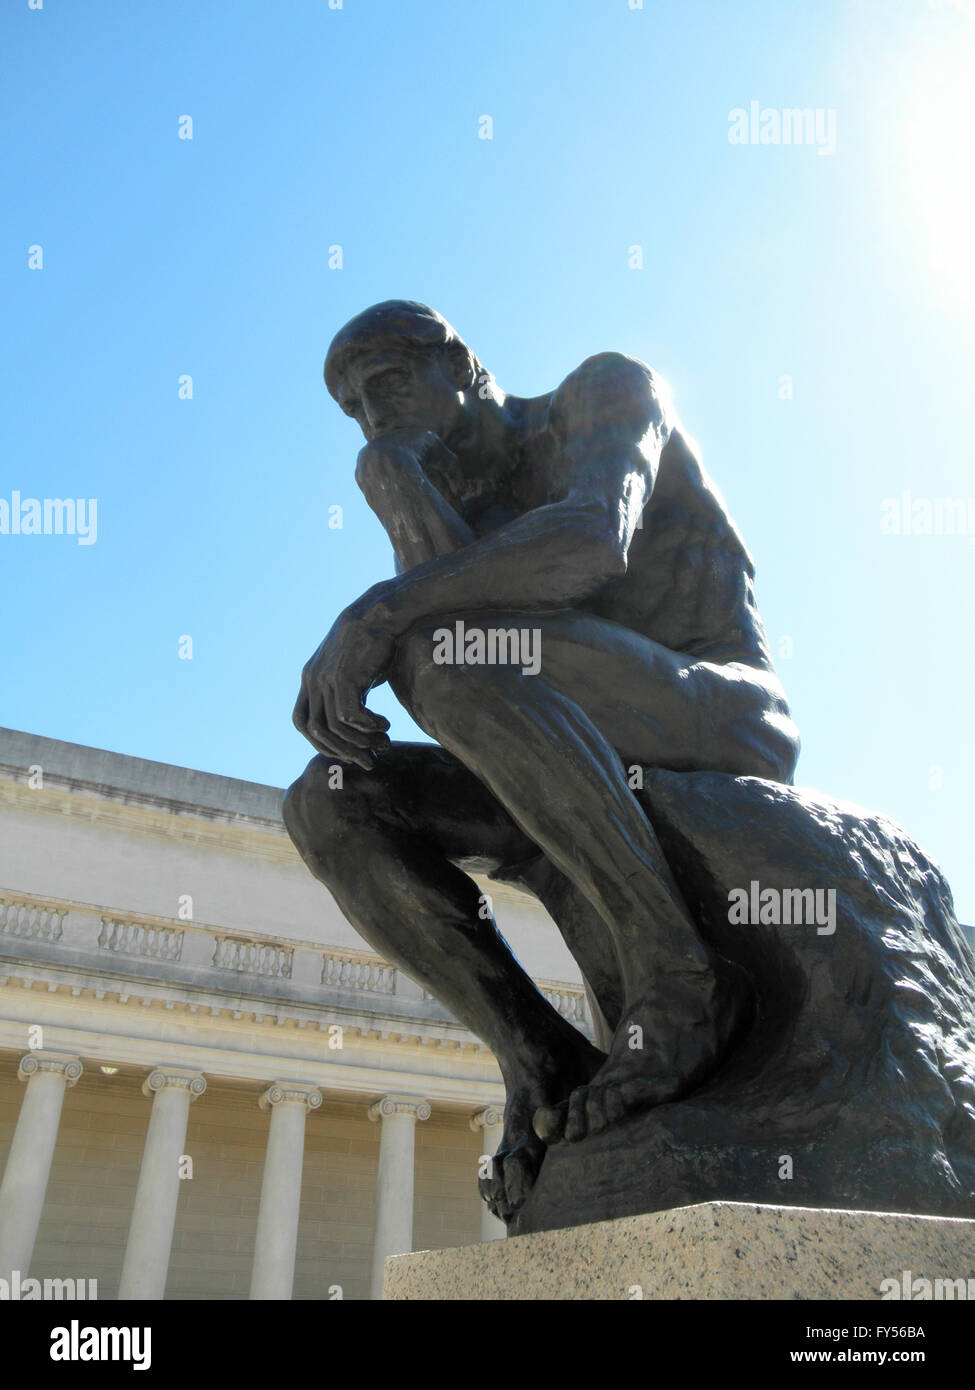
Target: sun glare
point(939, 169)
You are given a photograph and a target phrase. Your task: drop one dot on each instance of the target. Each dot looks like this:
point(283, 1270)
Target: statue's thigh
point(664, 709)
point(655, 706)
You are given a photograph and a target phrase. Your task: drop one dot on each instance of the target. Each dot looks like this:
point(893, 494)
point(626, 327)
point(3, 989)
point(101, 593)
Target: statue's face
point(394, 389)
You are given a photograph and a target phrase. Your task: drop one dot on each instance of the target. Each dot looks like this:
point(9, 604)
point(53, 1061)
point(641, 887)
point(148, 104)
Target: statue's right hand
point(411, 480)
point(331, 707)
point(395, 453)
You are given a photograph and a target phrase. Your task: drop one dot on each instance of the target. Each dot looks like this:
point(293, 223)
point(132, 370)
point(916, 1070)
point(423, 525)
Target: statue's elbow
point(610, 560)
point(596, 545)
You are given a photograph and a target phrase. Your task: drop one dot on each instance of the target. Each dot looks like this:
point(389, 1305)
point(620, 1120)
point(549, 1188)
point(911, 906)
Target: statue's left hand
point(330, 710)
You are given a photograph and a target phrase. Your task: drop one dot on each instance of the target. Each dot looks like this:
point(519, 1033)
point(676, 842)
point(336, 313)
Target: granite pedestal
point(715, 1250)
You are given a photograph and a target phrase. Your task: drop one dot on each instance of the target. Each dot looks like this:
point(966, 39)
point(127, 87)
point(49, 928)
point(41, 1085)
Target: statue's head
point(400, 364)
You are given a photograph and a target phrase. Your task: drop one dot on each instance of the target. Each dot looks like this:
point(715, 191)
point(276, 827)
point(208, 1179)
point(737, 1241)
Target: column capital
point(44, 1060)
point(281, 1091)
point(487, 1118)
point(400, 1105)
point(181, 1078)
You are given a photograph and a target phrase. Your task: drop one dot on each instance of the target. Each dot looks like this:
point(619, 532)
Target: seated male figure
point(585, 516)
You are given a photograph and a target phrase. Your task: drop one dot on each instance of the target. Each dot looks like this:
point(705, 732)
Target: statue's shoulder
point(608, 390)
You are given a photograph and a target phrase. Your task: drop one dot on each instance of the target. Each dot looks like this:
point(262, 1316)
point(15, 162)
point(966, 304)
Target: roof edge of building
point(101, 770)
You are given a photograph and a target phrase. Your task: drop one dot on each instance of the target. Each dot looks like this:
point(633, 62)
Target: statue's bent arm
point(609, 429)
point(419, 521)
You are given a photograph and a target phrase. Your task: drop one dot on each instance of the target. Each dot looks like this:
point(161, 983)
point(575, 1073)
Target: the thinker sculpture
point(635, 776)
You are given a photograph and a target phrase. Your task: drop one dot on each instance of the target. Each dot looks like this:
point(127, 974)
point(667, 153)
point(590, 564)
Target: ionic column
point(150, 1240)
point(394, 1185)
point(491, 1120)
point(48, 1075)
point(277, 1219)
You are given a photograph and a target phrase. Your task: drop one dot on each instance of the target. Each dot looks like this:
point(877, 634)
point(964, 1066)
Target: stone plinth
point(716, 1250)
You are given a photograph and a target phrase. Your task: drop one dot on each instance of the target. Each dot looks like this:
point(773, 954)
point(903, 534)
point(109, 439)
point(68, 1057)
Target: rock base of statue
point(716, 1250)
point(852, 1083)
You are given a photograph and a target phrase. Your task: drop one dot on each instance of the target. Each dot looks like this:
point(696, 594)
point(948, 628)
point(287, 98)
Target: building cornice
point(143, 814)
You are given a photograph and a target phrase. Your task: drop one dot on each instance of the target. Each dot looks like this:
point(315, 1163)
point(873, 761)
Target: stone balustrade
point(253, 957)
point(355, 970)
point(30, 920)
point(568, 1000)
point(133, 939)
point(186, 947)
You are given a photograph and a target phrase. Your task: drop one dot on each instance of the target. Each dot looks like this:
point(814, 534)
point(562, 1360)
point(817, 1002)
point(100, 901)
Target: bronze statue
point(573, 620)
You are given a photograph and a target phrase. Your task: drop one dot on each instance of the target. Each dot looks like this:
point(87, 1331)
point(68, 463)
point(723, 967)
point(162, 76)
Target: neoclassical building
point(209, 1086)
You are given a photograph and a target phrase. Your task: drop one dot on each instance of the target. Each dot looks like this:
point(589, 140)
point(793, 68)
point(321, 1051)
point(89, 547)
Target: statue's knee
point(318, 806)
point(294, 808)
point(788, 758)
point(777, 749)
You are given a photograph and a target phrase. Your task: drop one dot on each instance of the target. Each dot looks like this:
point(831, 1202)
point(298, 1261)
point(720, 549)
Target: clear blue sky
point(850, 272)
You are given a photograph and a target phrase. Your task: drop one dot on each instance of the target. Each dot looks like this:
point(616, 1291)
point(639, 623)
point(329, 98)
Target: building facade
point(210, 1087)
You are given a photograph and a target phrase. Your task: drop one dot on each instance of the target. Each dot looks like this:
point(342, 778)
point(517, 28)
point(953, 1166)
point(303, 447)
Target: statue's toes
point(614, 1104)
point(548, 1122)
point(598, 1108)
point(576, 1124)
point(520, 1172)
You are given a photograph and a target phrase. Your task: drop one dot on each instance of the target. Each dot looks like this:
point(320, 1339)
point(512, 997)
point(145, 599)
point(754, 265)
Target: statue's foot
point(512, 1172)
point(648, 1064)
point(514, 1168)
